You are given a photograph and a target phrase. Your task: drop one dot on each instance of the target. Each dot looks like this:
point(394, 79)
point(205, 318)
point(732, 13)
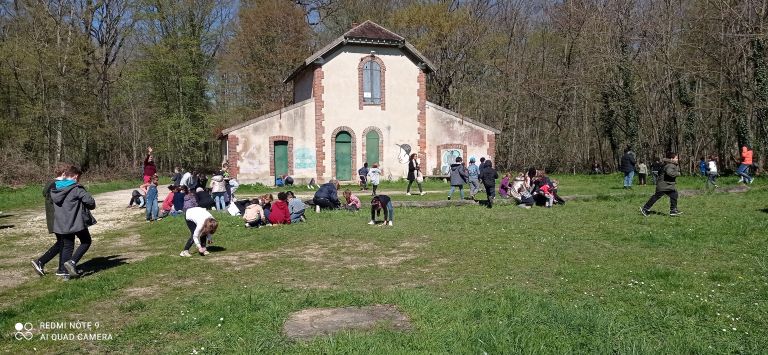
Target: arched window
point(371, 74)
point(371, 83)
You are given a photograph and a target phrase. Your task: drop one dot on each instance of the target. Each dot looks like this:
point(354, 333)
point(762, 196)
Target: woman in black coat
point(414, 170)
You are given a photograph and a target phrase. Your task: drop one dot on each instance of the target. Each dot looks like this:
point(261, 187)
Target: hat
point(471, 159)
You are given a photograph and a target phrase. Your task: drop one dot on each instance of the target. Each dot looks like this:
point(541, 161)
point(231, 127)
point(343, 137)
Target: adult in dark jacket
point(39, 264)
point(488, 177)
point(72, 206)
point(627, 166)
point(327, 196)
point(204, 199)
point(666, 185)
point(459, 177)
point(414, 170)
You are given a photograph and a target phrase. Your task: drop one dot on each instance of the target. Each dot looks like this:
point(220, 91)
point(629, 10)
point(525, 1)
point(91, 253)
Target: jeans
point(296, 216)
point(743, 171)
point(659, 194)
point(461, 191)
point(389, 214)
point(363, 182)
point(68, 244)
point(410, 182)
point(628, 178)
point(219, 199)
point(712, 179)
point(54, 249)
point(152, 209)
point(474, 186)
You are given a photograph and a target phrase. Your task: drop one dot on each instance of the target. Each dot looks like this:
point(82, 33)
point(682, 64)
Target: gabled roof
point(371, 34)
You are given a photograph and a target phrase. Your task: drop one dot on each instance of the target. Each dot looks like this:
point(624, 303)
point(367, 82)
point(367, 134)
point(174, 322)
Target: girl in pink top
point(353, 203)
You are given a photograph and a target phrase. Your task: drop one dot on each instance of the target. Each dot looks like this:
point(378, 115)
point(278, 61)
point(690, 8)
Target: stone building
point(362, 98)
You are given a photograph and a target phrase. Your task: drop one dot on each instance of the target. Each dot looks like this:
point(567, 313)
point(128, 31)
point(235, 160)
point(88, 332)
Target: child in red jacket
point(279, 213)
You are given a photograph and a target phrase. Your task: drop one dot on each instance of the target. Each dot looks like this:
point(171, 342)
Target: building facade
point(360, 99)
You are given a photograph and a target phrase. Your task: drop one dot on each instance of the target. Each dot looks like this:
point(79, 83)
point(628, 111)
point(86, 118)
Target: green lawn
point(593, 276)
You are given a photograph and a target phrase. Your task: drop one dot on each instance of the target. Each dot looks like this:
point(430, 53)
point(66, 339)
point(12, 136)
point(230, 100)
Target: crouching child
point(296, 207)
point(254, 215)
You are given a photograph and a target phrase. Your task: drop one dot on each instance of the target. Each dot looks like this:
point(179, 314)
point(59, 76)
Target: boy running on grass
point(666, 185)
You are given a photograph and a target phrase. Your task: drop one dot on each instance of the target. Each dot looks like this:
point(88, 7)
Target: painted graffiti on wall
point(403, 153)
point(304, 158)
point(449, 157)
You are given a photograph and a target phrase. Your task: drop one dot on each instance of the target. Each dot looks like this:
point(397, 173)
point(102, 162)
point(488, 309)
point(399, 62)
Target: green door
point(344, 156)
point(281, 158)
point(372, 148)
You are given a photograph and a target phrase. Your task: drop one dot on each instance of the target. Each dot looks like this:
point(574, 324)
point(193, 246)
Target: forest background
point(568, 82)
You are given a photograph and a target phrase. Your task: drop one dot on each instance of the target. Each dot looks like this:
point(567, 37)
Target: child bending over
point(353, 203)
point(202, 226)
point(379, 203)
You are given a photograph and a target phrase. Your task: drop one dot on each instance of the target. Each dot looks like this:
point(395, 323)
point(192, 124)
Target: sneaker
point(38, 267)
point(390, 223)
point(205, 253)
point(751, 180)
point(449, 198)
point(70, 266)
point(407, 194)
point(61, 273)
point(317, 208)
point(423, 193)
point(185, 254)
point(371, 222)
point(675, 213)
point(302, 218)
point(644, 211)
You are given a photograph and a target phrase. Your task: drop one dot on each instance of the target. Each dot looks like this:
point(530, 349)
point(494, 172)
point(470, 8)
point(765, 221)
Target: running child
point(363, 173)
point(666, 185)
point(39, 264)
point(374, 175)
point(72, 206)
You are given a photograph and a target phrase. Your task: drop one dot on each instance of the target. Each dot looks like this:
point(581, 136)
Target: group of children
point(68, 209)
point(531, 188)
point(265, 211)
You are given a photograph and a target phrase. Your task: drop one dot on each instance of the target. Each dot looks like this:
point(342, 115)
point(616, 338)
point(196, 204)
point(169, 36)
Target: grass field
point(593, 276)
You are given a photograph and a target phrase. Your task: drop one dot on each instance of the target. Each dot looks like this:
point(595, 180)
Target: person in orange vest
point(746, 162)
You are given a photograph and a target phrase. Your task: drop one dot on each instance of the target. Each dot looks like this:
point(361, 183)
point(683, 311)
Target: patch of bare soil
point(29, 238)
point(313, 322)
point(346, 254)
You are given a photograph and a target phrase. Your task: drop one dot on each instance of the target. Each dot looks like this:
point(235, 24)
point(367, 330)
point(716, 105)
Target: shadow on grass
point(101, 263)
point(215, 248)
point(764, 210)
point(6, 215)
point(6, 226)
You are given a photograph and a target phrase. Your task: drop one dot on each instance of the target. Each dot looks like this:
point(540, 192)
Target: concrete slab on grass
point(313, 322)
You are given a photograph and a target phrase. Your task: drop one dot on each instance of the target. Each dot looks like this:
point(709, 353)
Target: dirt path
point(110, 214)
point(28, 237)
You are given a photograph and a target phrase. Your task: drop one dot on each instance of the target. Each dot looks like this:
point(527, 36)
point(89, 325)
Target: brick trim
point(491, 146)
point(439, 152)
point(364, 138)
point(333, 150)
point(233, 155)
point(272, 141)
point(382, 86)
point(317, 92)
point(422, 118)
